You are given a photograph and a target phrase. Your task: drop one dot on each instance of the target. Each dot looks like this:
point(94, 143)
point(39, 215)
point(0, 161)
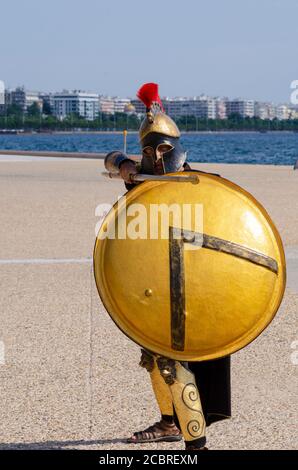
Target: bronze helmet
point(159, 136)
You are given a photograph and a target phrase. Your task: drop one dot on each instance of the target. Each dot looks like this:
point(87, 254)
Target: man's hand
point(127, 169)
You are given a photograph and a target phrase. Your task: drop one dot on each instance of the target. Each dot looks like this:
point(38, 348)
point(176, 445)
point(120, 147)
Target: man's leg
point(186, 400)
point(165, 429)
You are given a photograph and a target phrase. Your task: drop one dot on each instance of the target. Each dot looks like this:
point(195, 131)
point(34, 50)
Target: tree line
point(42, 120)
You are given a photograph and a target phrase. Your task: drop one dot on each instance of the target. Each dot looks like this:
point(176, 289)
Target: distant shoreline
point(222, 132)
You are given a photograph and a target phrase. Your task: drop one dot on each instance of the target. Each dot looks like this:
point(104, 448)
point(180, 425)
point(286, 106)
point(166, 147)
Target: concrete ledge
point(98, 156)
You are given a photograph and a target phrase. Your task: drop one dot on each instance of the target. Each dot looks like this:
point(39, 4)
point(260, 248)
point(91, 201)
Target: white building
point(204, 107)
point(32, 97)
point(77, 102)
point(138, 105)
point(120, 104)
point(220, 108)
point(106, 105)
point(2, 93)
point(111, 105)
point(293, 110)
point(265, 110)
point(201, 107)
point(245, 108)
point(22, 98)
point(283, 112)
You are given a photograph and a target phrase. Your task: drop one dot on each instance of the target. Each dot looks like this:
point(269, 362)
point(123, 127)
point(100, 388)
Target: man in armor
point(191, 395)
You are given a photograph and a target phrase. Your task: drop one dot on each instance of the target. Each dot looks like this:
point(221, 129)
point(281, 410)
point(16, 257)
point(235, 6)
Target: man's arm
point(118, 162)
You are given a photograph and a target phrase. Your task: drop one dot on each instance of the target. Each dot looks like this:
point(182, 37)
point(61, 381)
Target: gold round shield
point(190, 271)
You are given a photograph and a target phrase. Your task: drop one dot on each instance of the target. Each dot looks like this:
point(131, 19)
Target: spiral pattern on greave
point(190, 398)
point(194, 428)
point(190, 395)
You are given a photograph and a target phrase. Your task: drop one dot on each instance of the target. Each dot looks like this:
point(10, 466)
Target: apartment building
point(106, 104)
point(265, 110)
point(220, 108)
point(2, 93)
point(80, 103)
point(245, 108)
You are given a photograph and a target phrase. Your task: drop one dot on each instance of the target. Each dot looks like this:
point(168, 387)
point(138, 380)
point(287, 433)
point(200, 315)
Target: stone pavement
point(69, 378)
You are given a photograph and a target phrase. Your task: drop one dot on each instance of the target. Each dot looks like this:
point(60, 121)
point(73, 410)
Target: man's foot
point(161, 431)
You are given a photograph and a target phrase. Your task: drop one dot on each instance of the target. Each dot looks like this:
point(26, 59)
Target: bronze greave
point(185, 397)
point(160, 388)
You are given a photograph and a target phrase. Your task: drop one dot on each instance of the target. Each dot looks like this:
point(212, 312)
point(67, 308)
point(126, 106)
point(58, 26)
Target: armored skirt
point(213, 379)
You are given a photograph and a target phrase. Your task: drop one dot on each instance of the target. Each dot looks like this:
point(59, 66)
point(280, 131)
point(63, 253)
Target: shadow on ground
point(56, 444)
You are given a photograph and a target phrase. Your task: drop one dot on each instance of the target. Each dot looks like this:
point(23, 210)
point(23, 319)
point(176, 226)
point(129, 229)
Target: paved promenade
point(68, 377)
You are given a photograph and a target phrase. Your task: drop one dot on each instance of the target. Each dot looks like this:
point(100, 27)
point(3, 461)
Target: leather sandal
point(160, 431)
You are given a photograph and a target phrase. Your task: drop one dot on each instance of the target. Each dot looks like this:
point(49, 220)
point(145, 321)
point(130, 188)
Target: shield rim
point(180, 355)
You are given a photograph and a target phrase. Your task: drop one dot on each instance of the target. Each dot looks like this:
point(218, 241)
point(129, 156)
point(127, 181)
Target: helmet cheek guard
point(174, 159)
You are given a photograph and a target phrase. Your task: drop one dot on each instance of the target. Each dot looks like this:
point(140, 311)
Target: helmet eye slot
point(164, 148)
point(148, 151)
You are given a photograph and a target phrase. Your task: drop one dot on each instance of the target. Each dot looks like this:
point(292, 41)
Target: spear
point(140, 177)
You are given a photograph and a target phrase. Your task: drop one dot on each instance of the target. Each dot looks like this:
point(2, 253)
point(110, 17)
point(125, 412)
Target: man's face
point(156, 156)
point(161, 154)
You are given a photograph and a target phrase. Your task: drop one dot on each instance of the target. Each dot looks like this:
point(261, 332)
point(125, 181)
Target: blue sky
point(229, 48)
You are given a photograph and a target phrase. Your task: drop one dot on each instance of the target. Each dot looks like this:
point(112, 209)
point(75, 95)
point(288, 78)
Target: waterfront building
point(111, 105)
point(80, 103)
point(106, 105)
point(2, 97)
point(120, 104)
point(2, 93)
point(47, 101)
point(202, 107)
point(220, 108)
point(130, 109)
point(32, 97)
point(283, 112)
point(265, 110)
point(7, 97)
point(261, 110)
point(138, 106)
point(293, 111)
point(272, 111)
point(18, 98)
point(175, 107)
point(245, 108)
point(22, 98)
